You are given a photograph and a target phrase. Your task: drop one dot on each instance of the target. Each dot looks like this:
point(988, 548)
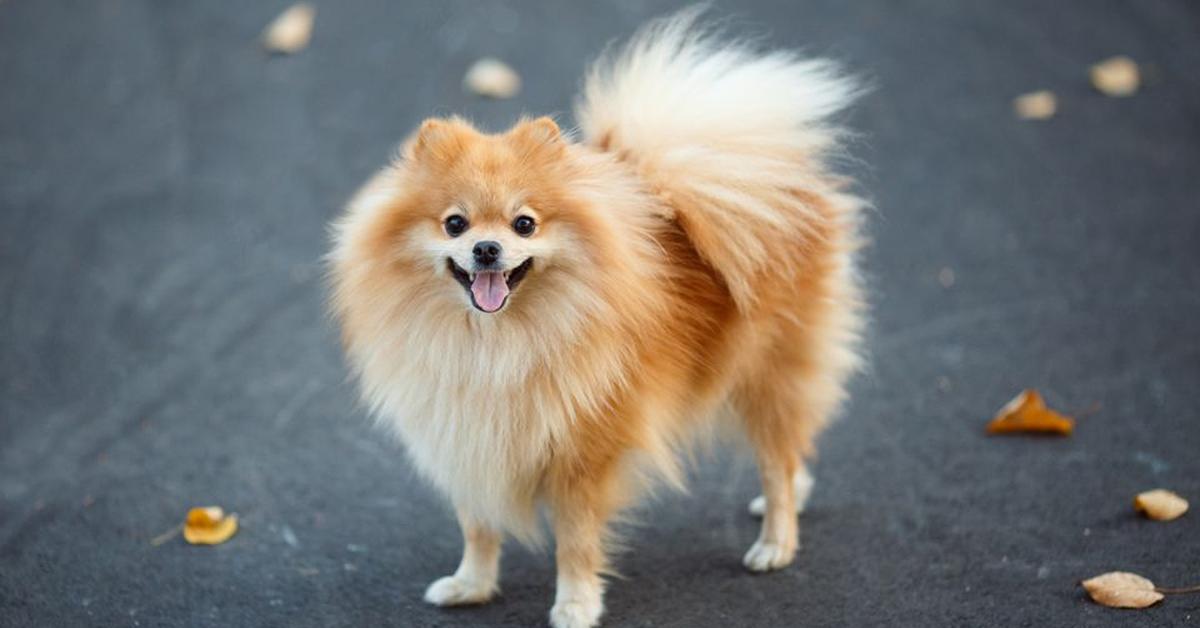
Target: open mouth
point(489, 289)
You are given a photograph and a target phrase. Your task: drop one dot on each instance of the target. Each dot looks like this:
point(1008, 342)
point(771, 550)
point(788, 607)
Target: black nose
point(487, 252)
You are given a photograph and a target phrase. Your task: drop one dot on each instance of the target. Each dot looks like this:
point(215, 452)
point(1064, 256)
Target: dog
point(545, 319)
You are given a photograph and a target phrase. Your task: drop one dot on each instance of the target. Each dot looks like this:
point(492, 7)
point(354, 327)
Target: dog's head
point(491, 223)
point(489, 230)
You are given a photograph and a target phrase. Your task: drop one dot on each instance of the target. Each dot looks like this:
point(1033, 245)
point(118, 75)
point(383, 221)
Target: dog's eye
point(524, 226)
point(456, 225)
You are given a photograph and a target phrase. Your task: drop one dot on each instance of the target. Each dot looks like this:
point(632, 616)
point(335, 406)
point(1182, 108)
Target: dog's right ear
point(435, 138)
point(431, 132)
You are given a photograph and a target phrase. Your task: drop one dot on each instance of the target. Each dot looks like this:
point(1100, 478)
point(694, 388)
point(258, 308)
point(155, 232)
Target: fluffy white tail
point(735, 140)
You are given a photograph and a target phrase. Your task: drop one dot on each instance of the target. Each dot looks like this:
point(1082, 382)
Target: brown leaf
point(1117, 76)
point(209, 526)
point(1039, 105)
point(1121, 589)
point(1027, 412)
point(1160, 505)
point(291, 31)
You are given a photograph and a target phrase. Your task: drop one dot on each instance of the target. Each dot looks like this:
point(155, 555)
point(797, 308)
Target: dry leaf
point(492, 78)
point(1117, 76)
point(1121, 589)
point(1160, 505)
point(290, 32)
point(1039, 105)
point(209, 526)
point(1028, 413)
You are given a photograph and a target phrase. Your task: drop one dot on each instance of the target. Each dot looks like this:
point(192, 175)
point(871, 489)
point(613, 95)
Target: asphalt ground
point(165, 188)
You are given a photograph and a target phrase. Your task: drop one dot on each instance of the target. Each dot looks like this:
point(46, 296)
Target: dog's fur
point(693, 250)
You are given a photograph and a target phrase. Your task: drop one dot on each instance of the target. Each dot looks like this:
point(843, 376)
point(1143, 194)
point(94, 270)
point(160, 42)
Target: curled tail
point(733, 139)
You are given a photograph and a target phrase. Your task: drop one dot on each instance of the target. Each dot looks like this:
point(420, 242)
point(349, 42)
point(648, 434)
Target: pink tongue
point(490, 290)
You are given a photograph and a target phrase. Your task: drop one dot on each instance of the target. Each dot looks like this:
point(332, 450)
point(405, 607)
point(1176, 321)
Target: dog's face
point(483, 219)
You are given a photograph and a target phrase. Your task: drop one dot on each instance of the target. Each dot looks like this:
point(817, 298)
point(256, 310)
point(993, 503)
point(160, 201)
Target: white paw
point(576, 614)
point(456, 591)
point(766, 556)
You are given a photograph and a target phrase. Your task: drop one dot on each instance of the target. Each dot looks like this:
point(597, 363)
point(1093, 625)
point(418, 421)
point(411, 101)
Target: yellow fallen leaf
point(209, 526)
point(1117, 76)
point(1039, 105)
point(1121, 589)
point(492, 78)
point(291, 31)
point(1160, 505)
point(1027, 412)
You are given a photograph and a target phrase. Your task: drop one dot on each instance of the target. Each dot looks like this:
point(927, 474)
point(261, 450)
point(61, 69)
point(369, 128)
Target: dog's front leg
point(476, 579)
point(581, 510)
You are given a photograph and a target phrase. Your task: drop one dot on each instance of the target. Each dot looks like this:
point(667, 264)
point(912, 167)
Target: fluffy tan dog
point(540, 318)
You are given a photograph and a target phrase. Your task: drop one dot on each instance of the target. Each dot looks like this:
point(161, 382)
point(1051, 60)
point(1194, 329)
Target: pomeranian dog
point(543, 318)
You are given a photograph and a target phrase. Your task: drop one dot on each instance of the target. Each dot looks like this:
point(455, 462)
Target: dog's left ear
point(540, 132)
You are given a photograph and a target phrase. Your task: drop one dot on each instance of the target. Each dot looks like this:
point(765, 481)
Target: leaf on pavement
point(1118, 76)
point(492, 78)
point(1160, 504)
point(209, 526)
point(1039, 105)
point(291, 31)
point(1028, 413)
point(1121, 589)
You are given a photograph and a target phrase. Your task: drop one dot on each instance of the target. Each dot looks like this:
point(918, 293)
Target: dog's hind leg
point(783, 409)
point(802, 483)
point(780, 534)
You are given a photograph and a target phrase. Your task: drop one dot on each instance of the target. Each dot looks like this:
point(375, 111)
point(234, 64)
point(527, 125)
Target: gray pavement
point(164, 193)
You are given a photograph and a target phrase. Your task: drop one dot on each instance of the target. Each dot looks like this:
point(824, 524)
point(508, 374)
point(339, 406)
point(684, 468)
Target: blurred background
point(165, 190)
